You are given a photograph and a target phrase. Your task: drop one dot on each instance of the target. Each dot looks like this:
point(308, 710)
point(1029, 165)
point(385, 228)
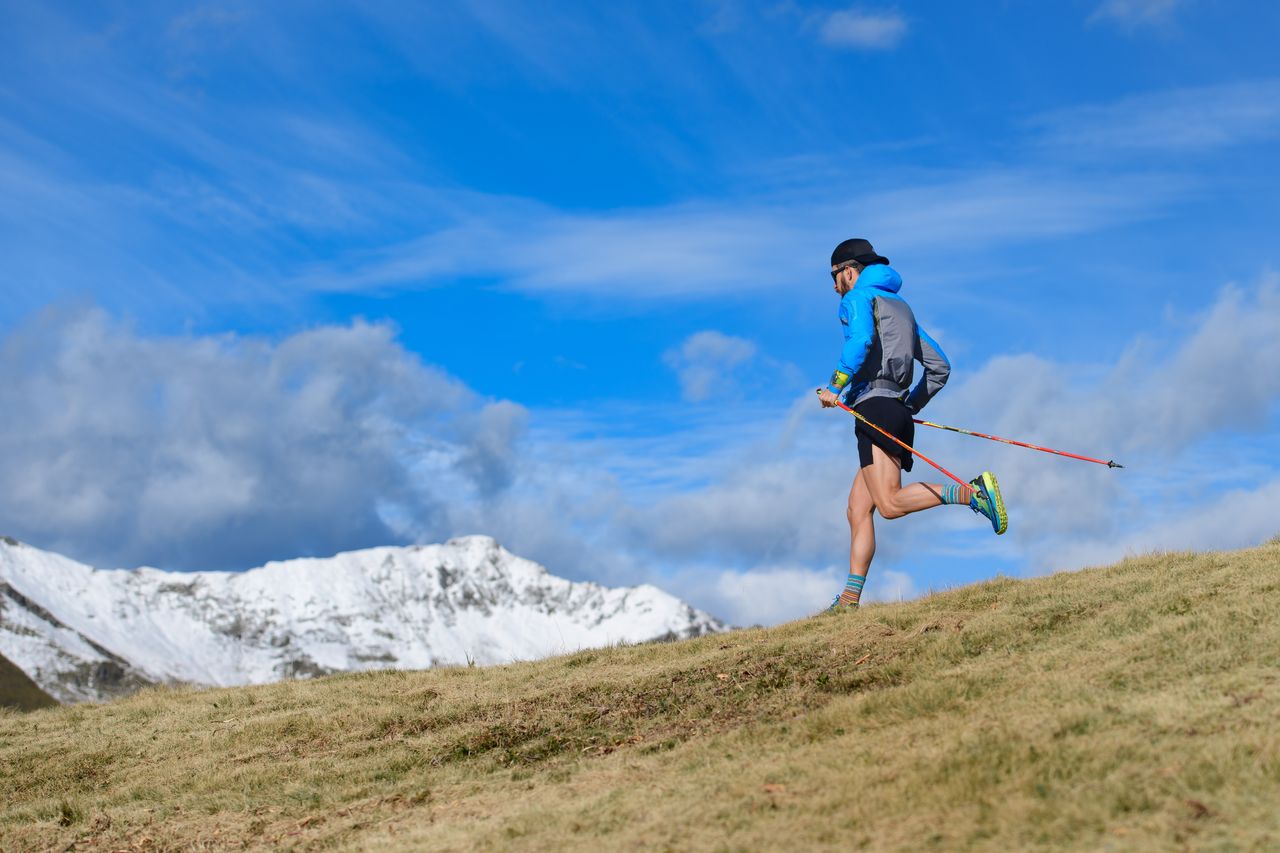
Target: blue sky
point(286, 280)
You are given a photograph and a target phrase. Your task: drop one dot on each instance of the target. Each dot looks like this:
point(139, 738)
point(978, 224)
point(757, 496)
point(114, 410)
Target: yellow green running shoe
point(988, 502)
point(836, 605)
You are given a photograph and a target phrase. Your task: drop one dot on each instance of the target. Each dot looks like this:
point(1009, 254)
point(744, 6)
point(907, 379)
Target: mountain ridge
point(84, 633)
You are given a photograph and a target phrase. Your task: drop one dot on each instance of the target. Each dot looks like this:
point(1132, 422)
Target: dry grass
point(1132, 707)
point(19, 692)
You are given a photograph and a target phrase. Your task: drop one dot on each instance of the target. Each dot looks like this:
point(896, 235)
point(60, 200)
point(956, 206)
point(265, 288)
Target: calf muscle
point(883, 478)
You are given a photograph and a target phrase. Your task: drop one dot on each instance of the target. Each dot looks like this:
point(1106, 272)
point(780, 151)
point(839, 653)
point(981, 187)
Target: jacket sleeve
point(856, 315)
point(936, 370)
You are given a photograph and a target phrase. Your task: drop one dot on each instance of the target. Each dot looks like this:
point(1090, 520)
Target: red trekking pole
point(1109, 464)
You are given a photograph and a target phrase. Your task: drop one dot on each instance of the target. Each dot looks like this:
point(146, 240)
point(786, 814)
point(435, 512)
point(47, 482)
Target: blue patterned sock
point(852, 590)
point(962, 495)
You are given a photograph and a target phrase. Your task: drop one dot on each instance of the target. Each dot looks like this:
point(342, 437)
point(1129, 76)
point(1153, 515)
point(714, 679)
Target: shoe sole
point(992, 488)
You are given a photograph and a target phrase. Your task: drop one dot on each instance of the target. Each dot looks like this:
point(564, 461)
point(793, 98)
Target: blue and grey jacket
point(881, 341)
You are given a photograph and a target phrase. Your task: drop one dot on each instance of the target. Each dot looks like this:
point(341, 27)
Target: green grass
point(1132, 707)
point(19, 692)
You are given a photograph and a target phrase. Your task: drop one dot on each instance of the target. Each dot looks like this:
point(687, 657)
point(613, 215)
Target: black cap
point(857, 249)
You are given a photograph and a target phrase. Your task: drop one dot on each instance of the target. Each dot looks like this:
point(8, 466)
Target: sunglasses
point(844, 266)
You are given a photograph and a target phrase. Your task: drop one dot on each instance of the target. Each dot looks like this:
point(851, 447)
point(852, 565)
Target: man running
point(881, 342)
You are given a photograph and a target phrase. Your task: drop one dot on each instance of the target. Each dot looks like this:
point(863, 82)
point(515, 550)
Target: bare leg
point(862, 528)
point(883, 478)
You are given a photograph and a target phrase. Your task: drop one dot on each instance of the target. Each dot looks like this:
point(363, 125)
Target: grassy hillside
point(1132, 707)
point(19, 692)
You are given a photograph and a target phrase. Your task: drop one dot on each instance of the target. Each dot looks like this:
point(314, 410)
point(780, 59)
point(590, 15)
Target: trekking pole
point(900, 443)
point(1109, 464)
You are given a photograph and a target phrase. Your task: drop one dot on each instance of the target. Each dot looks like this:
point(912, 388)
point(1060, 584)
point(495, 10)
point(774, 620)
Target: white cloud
point(705, 363)
point(1219, 370)
point(226, 451)
point(889, 585)
point(1236, 518)
point(767, 596)
point(1205, 376)
point(768, 502)
point(864, 30)
point(760, 508)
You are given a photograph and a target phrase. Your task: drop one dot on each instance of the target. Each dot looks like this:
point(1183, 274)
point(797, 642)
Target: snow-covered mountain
point(88, 634)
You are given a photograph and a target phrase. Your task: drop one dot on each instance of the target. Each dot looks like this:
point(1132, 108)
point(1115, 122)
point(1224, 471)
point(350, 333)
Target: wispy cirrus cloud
point(698, 250)
point(1179, 121)
point(330, 203)
point(862, 29)
point(1133, 13)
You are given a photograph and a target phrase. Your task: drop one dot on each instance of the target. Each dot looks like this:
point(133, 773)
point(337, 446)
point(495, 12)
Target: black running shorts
point(892, 416)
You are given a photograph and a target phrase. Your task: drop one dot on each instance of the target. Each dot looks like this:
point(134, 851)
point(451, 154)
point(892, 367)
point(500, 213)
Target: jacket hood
point(880, 277)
